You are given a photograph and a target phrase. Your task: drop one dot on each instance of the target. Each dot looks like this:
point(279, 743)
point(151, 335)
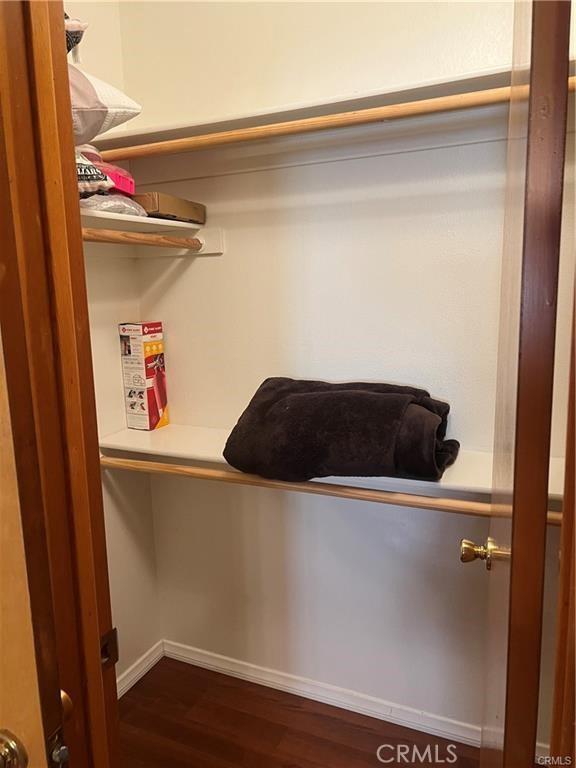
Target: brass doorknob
point(487, 552)
point(12, 752)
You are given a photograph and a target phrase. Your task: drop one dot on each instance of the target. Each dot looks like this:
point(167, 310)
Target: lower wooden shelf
point(114, 237)
point(196, 452)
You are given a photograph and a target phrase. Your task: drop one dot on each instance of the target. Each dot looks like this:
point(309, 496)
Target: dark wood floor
point(180, 716)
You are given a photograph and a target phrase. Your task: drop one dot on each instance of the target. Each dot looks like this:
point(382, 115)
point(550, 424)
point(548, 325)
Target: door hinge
point(109, 648)
point(56, 751)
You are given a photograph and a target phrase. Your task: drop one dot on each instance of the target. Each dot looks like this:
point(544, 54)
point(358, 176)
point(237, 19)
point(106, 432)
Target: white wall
point(192, 62)
point(380, 267)
point(359, 596)
point(381, 261)
point(384, 267)
point(101, 48)
point(113, 298)
point(218, 60)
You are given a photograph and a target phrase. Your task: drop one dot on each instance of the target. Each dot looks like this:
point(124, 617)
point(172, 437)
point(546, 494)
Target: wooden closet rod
point(450, 103)
point(457, 506)
point(140, 238)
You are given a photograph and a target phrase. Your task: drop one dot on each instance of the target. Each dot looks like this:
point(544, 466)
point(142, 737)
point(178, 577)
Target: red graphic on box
point(157, 396)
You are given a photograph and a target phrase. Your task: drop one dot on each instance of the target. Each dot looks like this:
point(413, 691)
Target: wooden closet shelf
point(353, 493)
point(89, 235)
point(419, 108)
point(156, 234)
point(190, 452)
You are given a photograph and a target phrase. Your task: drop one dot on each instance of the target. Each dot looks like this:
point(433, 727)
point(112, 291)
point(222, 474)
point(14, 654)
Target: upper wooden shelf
point(143, 224)
point(466, 487)
point(432, 99)
point(131, 134)
point(179, 236)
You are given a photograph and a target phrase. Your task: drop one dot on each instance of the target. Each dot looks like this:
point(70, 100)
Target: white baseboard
point(144, 664)
point(426, 722)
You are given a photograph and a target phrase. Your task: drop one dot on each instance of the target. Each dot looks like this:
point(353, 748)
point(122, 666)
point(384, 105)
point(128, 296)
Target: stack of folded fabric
point(297, 430)
point(97, 107)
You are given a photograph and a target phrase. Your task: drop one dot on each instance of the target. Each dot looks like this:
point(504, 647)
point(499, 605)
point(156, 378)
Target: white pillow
point(97, 106)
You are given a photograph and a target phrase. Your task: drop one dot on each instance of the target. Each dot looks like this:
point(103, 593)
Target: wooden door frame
point(15, 291)
point(46, 340)
point(20, 708)
point(540, 259)
point(562, 731)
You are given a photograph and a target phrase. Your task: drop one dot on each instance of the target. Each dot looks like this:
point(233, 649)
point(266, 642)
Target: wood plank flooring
point(181, 716)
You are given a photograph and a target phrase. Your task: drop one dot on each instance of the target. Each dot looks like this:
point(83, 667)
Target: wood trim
point(451, 103)
point(73, 366)
point(456, 506)
point(121, 237)
point(27, 182)
point(20, 710)
point(562, 736)
point(26, 339)
point(541, 247)
point(566, 744)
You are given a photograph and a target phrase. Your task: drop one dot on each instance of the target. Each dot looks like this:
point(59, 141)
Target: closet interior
point(337, 247)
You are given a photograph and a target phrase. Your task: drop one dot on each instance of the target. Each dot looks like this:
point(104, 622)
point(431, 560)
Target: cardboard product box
point(144, 375)
point(159, 205)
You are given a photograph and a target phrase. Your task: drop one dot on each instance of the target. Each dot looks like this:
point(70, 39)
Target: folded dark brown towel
point(296, 430)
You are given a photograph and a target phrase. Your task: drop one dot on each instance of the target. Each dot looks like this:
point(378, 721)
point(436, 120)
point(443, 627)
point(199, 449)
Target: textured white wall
point(385, 268)
point(113, 297)
point(382, 267)
point(101, 48)
point(216, 60)
point(360, 596)
point(131, 545)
